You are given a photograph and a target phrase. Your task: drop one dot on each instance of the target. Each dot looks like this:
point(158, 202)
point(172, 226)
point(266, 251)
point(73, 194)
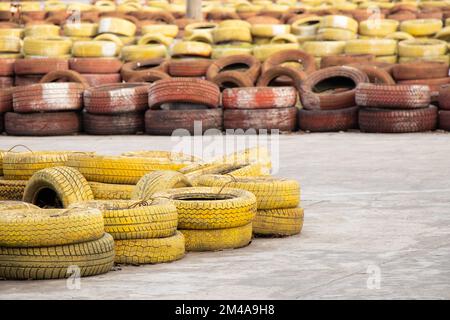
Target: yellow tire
point(303, 39)
point(378, 47)
point(387, 59)
point(12, 189)
point(378, 27)
point(57, 262)
point(109, 191)
point(330, 34)
point(11, 32)
point(41, 30)
point(263, 52)
point(307, 26)
point(200, 37)
point(230, 34)
point(234, 23)
point(157, 38)
point(83, 29)
point(116, 26)
point(150, 251)
point(199, 27)
point(127, 219)
point(49, 227)
point(172, 156)
point(95, 49)
point(324, 48)
point(211, 208)
point(219, 239)
point(118, 170)
point(105, 6)
point(269, 30)
point(339, 22)
point(422, 48)
point(143, 52)
point(191, 48)
point(110, 37)
point(22, 165)
point(16, 205)
point(57, 187)
point(229, 50)
point(258, 155)
point(421, 27)
point(444, 34)
point(46, 46)
point(399, 36)
point(442, 58)
point(278, 222)
point(10, 44)
point(11, 56)
point(157, 181)
point(169, 30)
point(284, 38)
point(270, 192)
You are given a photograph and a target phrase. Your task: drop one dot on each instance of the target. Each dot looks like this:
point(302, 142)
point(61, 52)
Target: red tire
point(141, 67)
point(98, 79)
point(232, 79)
point(42, 124)
point(259, 97)
point(444, 97)
point(124, 123)
point(6, 100)
point(283, 119)
point(328, 120)
point(48, 97)
point(116, 98)
point(6, 82)
point(189, 67)
point(20, 81)
point(95, 65)
point(196, 91)
point(39, 65)
point(398, 121)
point(66, 76)
point(7, 67)
point(164, 122)
point(444, 120)
point(345, 59)
point(420, 70)
point(307, 60)
point(296, 76)
point(252, 65)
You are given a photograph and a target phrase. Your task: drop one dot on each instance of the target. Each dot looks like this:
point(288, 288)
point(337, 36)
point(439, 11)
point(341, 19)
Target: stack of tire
point(115, 108)
point(9, 50)
point(5, 105)
point(144, 233)
point(219, 218)
point(328, 99)
point(150, 70)
point(384, 50)
point(444, 108)
point(395, 108)
point(6, 72)
point(187, 104)
point(277, 201)
point(47, 109)
point(423, 49)
point(31, 70)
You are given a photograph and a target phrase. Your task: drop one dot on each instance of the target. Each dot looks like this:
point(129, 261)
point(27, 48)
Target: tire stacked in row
point(190, 105)
point(328, 99)
point(7, 72)
point(97, 71)
point(115, 108)
point(47, 108)
point(395, 108)
point(277, 202)
point(31, 70)
point(149, 70)
point(444, 108)
point(143, 232)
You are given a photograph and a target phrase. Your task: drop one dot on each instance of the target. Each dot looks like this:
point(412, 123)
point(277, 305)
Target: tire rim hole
point(334, 84)
point(48, 199)
point(202, 197)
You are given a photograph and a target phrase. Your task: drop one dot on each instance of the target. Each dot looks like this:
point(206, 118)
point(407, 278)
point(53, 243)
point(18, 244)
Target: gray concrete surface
point(374, 205)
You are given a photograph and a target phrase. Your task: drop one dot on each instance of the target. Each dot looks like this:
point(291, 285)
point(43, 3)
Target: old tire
point(157, 181)
point(11, 189)
point(283, 119)
point(328, 120)
point(114, 124)
point(259, 97)
point(42, 124)
point(109, 191)
point(278, 222)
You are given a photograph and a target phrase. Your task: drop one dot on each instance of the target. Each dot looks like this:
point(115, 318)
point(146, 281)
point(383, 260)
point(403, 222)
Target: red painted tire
point(190, 90)
point(189, 67)
point(328, 120)
point(345, 59)
point(39, 65)
point(98, 79)
point(95, 65)
point(42, 123)
point(420, 70)
point(338, 99)
point(141, 67)
point(252, 69)
point(66, 76)
point(164, 122)
point(376, 75)
point(124, 123)
point(297, 77)
point(232, 79)
point(116, 98)
point(398, 121)
point(307, 60)
point(6, 100)
point(6, 82)
point(392, 96)
point(444, 97)
point(7, 67)
point(20, 81)
point(44, 97)
point(444, 120)
point(259, 97)
point(283, 119)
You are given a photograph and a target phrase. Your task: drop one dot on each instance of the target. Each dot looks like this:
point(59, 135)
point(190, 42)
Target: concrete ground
point(377, 225)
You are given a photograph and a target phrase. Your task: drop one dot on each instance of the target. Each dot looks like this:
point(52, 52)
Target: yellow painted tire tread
point(278, 222)
point(159, 181)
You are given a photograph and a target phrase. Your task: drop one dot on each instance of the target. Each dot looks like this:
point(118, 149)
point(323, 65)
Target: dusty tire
point(11, 189)
point(164, 122)
point(39, 66)
point(376, 75)
point(98, 79)
point(7, 67)
point(328, 120)
point(57, 187)
point(444, 97)
point(219, 239)
point(109, 191)
point(444, 120)
point(183, 90)
point(92, 258)
point(211, 209)
point(150, 251)
point(283, 119)
point(284, 56)
point(420, 70)
point(16, 205)
point(345, 59)
point(270, 75)
point(334, 100)
point(259, 98)
point(158, 181)
point(42, 124)
point(141, 67)
point(128, 220)
point(393, 96)
point(123, 123)
point(232, 79)
point(398, 121)
point(270, 192)
point(278, 222)
point(95, 65)
point(66, 75)
point(189, 67)
point(5, 102)
point(252, 69)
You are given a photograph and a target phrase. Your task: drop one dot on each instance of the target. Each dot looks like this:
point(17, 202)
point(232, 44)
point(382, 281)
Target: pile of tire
point(115, 108)
point(97, 71)
point(187, 104)
point(48, 108)
point(32, 70)
point(395, 108)
point(277, 201)
point(444, 108)
point(7, 72)
point(328, 99)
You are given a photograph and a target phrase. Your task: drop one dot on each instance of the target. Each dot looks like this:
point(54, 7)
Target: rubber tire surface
point(123, 123)
point(157, 181)
point(278, 222)
point(328, 120)
point(444, 120)
point(11, 189)
point(283, 119)
point(109, 191)
point(259, 98)
point(42, 124)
